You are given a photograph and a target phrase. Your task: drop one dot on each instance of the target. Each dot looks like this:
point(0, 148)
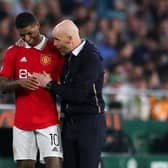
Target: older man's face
point(62, 42)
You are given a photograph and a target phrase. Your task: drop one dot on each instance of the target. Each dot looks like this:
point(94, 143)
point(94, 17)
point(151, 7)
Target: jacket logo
point(45, 59)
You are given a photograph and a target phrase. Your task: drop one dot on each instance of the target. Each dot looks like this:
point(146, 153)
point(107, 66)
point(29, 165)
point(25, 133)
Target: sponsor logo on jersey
point(45, 59)
point(23, 73)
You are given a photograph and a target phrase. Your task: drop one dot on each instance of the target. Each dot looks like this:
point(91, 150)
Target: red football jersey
point(34, 109)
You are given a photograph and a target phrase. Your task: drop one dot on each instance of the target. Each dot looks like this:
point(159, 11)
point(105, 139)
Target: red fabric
point(34, 109)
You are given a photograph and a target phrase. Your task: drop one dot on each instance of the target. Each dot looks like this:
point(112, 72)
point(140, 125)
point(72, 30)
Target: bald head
point(66, 36)
point(67, 27)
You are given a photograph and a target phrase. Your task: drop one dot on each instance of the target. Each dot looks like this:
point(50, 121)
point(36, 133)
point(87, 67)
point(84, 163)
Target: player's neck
point(40, 39)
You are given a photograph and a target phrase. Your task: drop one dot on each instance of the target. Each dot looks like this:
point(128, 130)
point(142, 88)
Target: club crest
point(45, 59)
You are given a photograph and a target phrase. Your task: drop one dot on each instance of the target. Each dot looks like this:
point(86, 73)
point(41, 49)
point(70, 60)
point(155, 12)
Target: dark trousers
point(82, 141)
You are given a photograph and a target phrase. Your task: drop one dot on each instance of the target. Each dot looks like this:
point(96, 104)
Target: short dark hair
point(25, 19)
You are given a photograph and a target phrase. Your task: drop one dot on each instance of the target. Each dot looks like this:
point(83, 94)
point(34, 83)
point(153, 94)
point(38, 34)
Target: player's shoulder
point(12, 48)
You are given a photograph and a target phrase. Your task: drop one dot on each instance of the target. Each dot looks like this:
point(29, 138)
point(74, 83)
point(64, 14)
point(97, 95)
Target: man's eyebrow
point(56, 38)
point(22, 34)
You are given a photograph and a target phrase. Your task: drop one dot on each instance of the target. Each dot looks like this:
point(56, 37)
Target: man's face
point(62, 42)
point(30, 34)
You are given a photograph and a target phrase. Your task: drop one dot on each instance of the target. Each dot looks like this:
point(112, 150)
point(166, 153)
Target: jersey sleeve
point(7, 68)
point(59, 65)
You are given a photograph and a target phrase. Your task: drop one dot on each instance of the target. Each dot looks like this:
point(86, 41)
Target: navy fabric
point(82, 141)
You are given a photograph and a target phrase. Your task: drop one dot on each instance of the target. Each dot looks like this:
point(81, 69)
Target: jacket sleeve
point(87, 75)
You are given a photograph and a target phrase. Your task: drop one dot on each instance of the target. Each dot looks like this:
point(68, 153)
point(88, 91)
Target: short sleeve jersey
point(34, 109)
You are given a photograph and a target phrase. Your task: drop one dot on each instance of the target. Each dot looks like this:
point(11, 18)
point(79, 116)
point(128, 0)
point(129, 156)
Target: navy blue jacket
point(81, 83)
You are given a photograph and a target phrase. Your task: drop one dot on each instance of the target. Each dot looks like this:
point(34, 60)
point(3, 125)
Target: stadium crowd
point(131, 35)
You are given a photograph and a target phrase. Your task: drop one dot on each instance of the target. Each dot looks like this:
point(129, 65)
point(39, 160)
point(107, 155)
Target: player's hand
point(30, 83)
point(42, 78)
point(20, 43)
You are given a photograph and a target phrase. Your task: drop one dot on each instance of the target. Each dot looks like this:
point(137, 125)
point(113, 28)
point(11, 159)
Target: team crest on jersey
point(45, 59)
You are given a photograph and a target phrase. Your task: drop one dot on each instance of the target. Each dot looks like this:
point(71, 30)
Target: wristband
point(49, 85)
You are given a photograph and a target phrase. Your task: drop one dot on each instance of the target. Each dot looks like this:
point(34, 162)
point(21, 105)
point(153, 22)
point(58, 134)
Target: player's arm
point(7, 71)
point(8, 85)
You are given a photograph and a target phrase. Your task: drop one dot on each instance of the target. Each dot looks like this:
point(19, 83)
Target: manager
point(80, 92)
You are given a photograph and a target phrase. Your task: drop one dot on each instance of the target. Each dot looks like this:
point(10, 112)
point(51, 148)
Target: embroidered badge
point(45, 59)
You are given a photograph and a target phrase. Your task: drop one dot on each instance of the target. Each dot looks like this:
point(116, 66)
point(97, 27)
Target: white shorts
point(27, 143)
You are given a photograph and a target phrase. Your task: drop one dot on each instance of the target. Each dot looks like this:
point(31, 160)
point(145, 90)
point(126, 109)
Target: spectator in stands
point(86, 27)
point(107, 46)
point(4, 28)
point(159, 105)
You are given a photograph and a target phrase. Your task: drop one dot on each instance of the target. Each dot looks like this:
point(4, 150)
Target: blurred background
point(132, 37)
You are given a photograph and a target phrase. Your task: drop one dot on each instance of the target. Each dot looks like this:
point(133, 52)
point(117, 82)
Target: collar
point(77, 50)
point(39, 46)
